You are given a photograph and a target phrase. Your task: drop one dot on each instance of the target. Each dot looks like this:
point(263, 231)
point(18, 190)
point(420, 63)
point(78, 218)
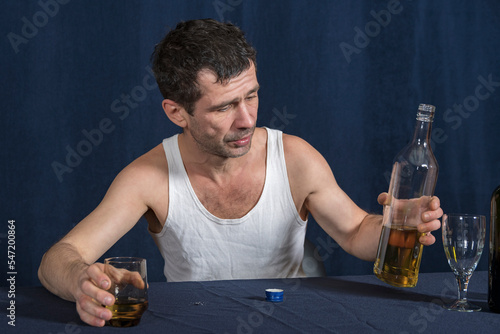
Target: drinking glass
point(463, 241)
point(129, 285)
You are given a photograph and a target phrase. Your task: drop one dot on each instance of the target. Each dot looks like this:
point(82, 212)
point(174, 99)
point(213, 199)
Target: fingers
point(135, 279)
point(430, 222)
point(92, 297)
point(124, 276)
point(429, 219)
point(99, 295)
point(435, 211)
point(435, 203)
point(131, 277)
point(92, 313)
point(427, 239)
point(425, 227)
point(98, 276)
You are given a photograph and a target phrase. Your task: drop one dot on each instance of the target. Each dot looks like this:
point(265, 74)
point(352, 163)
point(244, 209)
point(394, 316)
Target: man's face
point(224, 117)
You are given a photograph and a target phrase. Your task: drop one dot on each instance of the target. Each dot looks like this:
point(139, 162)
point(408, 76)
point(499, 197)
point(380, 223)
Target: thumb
point(383, 199)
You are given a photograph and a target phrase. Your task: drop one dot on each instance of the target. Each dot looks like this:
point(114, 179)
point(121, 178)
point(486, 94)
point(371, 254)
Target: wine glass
point(463, 241)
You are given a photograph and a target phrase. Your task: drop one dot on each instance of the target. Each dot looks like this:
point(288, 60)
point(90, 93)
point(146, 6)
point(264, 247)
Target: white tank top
point(268, 242)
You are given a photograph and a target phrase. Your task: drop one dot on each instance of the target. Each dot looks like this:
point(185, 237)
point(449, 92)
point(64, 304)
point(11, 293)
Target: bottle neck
point(422, 134)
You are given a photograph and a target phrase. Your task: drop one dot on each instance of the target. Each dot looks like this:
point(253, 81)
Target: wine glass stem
point(463, 284)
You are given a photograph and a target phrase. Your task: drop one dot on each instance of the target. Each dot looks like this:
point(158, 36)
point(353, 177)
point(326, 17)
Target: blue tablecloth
point(347, 304)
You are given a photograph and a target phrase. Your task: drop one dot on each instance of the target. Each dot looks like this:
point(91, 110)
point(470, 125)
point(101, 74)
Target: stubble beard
point(206, 143)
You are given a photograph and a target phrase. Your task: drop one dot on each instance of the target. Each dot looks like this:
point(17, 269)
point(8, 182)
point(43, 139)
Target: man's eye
point(225, 108)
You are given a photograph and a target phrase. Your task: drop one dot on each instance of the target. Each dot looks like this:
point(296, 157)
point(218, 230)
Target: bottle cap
point(274, 295)
point(426, 107)
point(426, 112)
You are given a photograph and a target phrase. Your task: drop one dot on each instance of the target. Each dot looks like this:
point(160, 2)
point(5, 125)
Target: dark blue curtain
point(79, 103)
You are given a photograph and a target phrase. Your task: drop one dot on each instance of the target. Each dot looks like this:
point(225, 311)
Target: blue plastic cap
point(274, 295)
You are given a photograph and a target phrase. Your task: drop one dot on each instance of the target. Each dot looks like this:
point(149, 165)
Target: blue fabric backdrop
point(79, 103)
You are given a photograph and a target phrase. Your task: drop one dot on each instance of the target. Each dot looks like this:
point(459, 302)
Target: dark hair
point(197, 45)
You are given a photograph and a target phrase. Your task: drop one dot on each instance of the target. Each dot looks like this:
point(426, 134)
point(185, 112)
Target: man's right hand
point(91, 295)
point(64, 268)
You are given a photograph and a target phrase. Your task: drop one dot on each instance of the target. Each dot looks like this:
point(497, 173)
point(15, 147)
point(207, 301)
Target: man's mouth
point(243, 141)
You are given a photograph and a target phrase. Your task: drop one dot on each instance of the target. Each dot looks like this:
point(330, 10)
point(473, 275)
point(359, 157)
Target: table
point(344, 304)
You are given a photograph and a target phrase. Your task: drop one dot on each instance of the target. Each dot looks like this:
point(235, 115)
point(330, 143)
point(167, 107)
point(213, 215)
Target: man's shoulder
point(290, 142)
point(301, 158)
point(294, 145)
point(139, 183)
point(150, 165)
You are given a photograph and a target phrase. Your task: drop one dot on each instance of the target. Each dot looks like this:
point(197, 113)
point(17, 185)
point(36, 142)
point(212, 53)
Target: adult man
point(224, 199)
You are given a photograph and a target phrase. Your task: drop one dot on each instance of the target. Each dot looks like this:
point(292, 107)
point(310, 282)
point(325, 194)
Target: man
point(223, 199)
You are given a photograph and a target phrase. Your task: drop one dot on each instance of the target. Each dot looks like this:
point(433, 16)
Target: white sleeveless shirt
point(268, 242)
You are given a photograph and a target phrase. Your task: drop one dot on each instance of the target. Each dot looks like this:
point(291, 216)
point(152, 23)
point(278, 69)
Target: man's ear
point(175, 112)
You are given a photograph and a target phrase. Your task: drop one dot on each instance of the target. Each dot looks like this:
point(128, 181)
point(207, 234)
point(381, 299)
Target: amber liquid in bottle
point(399, 262)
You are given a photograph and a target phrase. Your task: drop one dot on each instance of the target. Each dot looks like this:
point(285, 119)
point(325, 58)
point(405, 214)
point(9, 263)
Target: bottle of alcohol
point(494, 258)
point(413, 179)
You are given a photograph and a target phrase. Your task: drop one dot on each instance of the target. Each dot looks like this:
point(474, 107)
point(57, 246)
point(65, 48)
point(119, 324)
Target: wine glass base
point(462, 306)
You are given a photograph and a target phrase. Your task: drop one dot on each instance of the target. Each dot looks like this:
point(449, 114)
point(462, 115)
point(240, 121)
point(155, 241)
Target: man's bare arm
point(68, 269)
point(314, 185)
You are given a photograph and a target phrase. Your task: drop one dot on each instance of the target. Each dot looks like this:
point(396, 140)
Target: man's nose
point(245, 117)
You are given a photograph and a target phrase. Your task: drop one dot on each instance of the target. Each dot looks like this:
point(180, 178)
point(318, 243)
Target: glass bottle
point(413, 179)
point(494, 258)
